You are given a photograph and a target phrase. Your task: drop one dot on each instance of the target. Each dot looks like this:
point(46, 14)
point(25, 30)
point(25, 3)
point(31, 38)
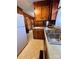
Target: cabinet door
point(55, 9)
point(45, 12)
point(41, 11)
point(37, 13)
point(38, 33)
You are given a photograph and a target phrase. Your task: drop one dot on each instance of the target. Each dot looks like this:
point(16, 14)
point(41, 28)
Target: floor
point(32, 50)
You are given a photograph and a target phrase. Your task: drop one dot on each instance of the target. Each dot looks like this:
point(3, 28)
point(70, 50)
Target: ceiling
point(27, 6)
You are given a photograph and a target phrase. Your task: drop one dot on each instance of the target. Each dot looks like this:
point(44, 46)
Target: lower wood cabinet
point(38, 34)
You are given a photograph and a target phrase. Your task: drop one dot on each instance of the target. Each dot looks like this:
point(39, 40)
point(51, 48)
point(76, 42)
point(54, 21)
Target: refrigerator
point(21, 33)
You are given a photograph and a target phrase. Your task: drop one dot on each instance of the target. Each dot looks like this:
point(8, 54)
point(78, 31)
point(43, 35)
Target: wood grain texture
point(41, 10)
point(19, 10)
point(38, 24)
point(55, 9)
point(38, 34)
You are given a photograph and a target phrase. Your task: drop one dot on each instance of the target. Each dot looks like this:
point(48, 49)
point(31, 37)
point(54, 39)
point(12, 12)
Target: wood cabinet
point(45, 12)
point(38, 24)
point(54, 9)
point(38, 33)
point(19, 10)
point(38, 13)
point(41, 10)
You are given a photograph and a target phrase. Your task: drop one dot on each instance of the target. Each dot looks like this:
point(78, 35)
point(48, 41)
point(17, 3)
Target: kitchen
point(43, 26)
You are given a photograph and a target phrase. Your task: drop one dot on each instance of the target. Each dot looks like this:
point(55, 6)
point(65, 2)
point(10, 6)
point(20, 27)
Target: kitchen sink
point(53, 37)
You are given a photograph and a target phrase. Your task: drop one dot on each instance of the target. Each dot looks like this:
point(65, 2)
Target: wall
point(58, 18)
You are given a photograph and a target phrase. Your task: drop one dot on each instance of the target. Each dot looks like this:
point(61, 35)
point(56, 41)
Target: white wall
point(21, 33)
point(58, 18)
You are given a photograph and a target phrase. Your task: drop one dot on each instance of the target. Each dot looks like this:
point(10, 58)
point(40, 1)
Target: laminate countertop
point(38, 27)
point(54, 51)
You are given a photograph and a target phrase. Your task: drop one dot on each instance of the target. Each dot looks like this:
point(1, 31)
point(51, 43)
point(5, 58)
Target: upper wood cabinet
point(41, 10)
point(37, 13)
point(45, 12)
point(19, 10)
point(54, 9)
